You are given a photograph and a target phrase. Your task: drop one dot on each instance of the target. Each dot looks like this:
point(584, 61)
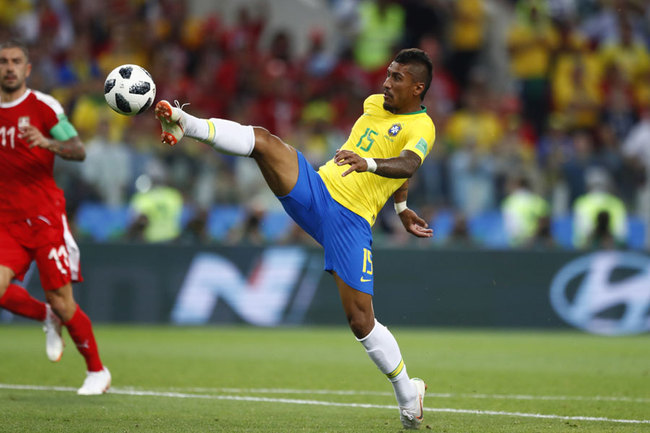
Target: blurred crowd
point(540, 106)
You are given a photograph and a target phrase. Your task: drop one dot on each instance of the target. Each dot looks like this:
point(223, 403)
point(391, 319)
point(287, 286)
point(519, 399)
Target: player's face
point(400, 89)
point(14, 69)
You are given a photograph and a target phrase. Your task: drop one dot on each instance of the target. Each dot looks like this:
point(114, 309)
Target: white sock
point(223, 135)
point(384, 351)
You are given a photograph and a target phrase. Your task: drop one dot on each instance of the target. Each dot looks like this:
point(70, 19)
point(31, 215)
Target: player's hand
point(345, 157)
point(34, 137)
point(414, 224)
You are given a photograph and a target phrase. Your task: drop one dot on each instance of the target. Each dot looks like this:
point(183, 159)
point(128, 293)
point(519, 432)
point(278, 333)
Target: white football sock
point(384, 351)
point(223, 135)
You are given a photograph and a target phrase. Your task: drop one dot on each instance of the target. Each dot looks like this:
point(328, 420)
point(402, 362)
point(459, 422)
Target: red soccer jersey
point(27, 186)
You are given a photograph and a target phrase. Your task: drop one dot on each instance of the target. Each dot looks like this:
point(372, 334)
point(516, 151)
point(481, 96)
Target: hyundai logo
point(604, 293)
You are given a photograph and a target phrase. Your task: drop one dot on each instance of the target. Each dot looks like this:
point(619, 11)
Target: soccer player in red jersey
point(33, 222)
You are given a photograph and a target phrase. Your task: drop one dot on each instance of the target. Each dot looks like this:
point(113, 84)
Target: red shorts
point(46, 240)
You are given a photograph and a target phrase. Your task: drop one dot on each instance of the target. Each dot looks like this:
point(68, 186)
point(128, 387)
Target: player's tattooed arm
point(401, 167)
point(71, 148)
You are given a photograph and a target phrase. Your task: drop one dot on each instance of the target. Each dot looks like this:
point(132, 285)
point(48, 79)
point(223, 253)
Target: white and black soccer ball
point(129, 89)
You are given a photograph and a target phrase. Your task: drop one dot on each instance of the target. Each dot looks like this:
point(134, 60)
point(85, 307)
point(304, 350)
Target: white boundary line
point(133, 392)
point(429, 394)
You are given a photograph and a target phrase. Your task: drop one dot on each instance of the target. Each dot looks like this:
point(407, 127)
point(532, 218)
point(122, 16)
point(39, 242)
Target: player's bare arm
point(410, 220)
point(401, 194)
point(71, 148)
point(401, 167)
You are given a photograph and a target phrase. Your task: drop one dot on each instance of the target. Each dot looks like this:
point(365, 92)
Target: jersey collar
point(422, 109)
point(17, 101)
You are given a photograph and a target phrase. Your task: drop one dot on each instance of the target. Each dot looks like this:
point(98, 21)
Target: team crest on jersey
point(23, 121)
point(395, 129)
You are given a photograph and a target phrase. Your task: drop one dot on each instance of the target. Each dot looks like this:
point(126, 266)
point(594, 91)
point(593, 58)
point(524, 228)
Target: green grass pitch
point(243, 379)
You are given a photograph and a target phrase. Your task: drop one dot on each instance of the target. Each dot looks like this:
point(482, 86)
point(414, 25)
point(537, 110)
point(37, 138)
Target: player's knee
point(360, 324)
point(264, 141)
point(62, 303)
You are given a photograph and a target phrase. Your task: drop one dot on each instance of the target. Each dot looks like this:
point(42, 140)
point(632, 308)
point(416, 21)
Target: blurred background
point(544, 101)
point(542, 111)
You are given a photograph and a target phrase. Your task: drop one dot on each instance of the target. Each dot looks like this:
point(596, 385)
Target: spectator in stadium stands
point(577, 162)
point(495, 55)
point(156, 207)
point(544, 238)
point(466, 37)
point(532, 40)
point(588, 207)
point(471, 178)
point(576, 80)
point(522, 211)
point(475, 121)
point(90, 107)
point(124, 47)
point(460, 235)
point(444, 86)
point(601, 22)
point(636, 150)
point(514, 152)
point(108, 166)
point(381, 28)
point(196, 230)
point(630, 55)
point(619, 107)
point(317, 138)
point(472, 133)
point(601, 237)
point(426, 18)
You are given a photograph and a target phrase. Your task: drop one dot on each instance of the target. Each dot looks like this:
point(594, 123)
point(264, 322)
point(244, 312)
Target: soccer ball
point(129, 90)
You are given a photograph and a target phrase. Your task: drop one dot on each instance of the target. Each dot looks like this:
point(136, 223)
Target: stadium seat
point(442, 224)
point(187, 214)
point(222, 218)
point(275, 225)
point(101, 222)
point(635, 233)
point(488, 230)
point(562, 230)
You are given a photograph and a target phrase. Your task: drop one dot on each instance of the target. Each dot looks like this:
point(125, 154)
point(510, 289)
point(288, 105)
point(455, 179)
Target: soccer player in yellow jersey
point(338, 204)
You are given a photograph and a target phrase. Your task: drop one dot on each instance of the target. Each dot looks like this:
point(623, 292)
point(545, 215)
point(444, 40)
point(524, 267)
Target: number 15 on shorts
point(367, 266)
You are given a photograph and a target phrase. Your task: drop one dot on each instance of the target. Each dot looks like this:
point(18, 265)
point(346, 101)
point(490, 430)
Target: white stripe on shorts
point(73, 250)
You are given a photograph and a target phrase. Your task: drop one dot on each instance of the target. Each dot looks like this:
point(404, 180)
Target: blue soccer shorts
point(345, 236)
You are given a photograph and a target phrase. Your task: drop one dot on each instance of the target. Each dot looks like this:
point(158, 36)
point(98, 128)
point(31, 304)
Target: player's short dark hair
point(15, 43)
point(415, 56)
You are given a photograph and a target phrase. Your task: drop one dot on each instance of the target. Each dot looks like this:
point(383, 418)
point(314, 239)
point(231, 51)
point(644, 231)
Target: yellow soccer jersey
point(377, 134)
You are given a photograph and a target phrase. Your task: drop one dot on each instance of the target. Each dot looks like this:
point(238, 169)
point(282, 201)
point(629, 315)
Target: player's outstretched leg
point(223, 135)
point(277, 161)
point(170, 121)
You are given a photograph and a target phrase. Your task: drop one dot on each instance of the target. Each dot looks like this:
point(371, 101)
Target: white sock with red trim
point(382, 348)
